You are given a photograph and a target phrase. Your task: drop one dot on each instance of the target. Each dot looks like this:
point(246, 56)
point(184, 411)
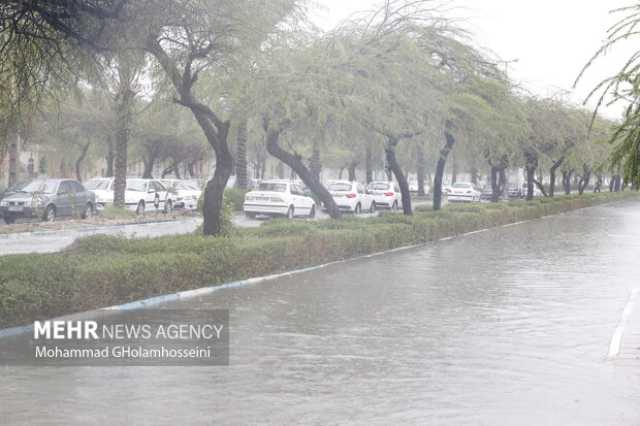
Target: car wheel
point(358, 209)
point(290, 213)
point(250, 215)
point(168, 206)
point(312, 212)
point(50, 214)
point(140, 209)
point(9, 219)
point(373, 207)
point(88, 211)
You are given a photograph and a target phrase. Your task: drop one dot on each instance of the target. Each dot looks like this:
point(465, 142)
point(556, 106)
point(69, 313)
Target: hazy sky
point(552, 39)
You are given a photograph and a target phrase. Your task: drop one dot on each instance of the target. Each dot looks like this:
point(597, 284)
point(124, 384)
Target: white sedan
point(185, 193)
point(279, 198)
point(463, 192)
point(140, 195)
point(385, 194)
point(351, 197)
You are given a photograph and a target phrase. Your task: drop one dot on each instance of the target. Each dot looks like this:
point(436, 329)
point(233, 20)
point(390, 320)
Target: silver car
point(48, 199)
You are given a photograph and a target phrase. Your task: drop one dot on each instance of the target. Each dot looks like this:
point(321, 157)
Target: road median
point(101, 271)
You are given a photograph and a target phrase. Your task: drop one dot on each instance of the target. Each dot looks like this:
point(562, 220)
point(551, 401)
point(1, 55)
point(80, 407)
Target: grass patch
point(100, 271)
point(111, 212)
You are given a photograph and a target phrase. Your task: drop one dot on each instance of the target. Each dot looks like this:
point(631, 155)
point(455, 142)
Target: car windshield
point(16, 187)
point(462, 185)
point(379, 186)
point(136, 185)
point(41, 186)
point(185, 186)
point(98, 184)
point(340, 186)
point(273, 187)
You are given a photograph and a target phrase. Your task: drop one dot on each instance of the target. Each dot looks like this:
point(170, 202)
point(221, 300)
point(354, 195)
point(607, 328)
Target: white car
point(536, 190)
point(140, 195)
point(385, 195)
point(463, 192)
point(185, 193)
point(351, 197)
point(279, 198)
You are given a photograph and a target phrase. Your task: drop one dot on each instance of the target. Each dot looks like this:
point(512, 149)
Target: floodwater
point(506, 327)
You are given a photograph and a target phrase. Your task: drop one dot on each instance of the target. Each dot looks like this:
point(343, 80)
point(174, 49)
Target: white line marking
point(616, 340)
point(515, 223)
point(475, 232)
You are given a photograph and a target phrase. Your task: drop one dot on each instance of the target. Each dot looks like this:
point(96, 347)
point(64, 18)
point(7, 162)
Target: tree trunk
point(214, 191)
point(584, 179)
point(474, 175)
point(552, 176)
point(392, 161)
point(110, 157)
point(124, 114)
point(440, 167)
point(352, 171)
point(297, 165)
point(368, 164)
point(421, 168)
point(148, 163)
point(80, 160)
point(315, 165)
point(566, 181)
point(503, 178)
point(454, 169)
point(14, 143)
point(496, 190)
point(241, 155)
point(530, 166)
point(215, 130)
point(3, 154)
point(617, 184)
point(387, 171)
point(598, 185)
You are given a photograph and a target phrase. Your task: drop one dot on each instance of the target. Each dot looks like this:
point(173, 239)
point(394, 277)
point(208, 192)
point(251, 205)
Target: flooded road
point(510, 326)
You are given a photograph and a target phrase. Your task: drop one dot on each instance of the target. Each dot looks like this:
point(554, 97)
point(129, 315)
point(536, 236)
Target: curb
point(190, 294)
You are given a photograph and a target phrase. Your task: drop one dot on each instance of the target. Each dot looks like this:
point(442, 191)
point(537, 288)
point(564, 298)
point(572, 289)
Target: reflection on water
point(510, 326)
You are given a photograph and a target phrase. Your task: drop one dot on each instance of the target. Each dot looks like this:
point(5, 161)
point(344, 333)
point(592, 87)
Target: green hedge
point(100, 271)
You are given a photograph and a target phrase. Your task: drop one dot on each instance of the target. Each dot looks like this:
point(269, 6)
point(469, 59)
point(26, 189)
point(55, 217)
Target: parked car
point(515, 191)
point(385, 195)
point(351, 197)
point(48, 199)
point(140, 194)
point(5, 192)
point(279, 198)
point(185, 193)
point(463, 192)
point(486, 193)
point(536, 190)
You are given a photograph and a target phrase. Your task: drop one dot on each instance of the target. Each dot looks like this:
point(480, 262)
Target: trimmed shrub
point(100, 270)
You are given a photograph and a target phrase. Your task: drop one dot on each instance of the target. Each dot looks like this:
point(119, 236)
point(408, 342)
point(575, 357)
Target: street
point(510, 326)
